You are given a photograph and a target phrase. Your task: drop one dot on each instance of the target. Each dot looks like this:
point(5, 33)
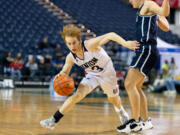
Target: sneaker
point(166, 93)
point(129, 126)
point(147, 124)
point(48, 123)
point(124, 117)
point(172, 92)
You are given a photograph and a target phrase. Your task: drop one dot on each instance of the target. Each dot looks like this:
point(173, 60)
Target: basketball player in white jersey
point(98, 66)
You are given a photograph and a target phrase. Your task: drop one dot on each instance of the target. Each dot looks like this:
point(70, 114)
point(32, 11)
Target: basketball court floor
point(21, 111)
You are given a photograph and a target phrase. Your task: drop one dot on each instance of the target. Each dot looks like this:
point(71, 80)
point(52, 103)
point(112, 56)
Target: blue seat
point(29, 22)
point(103, 16)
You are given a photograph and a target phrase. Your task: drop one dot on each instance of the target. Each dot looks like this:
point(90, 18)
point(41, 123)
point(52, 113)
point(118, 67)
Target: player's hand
point(133, 45)
point(61, 73)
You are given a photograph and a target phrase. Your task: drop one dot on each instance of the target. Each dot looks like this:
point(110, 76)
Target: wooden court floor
point(21, 112)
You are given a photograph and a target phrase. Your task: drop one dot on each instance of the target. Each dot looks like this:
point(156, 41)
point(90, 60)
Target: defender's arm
point(164, 10)
point(163, 23)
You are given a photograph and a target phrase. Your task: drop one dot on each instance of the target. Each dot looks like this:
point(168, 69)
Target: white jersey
point(95, 63)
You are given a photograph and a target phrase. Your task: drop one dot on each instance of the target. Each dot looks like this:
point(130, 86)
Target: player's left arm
point(96, 43)
point(163, 23)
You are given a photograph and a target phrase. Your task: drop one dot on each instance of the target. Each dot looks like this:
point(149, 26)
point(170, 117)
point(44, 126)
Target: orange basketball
point(63, 85)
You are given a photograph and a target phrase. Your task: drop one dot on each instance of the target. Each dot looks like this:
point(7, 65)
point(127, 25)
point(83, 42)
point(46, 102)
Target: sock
point(121, 110)
point(57, 116)
point(123, 116)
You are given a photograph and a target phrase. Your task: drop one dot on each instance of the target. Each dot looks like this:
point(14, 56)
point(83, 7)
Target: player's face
point(134, 3)
point(73, 44)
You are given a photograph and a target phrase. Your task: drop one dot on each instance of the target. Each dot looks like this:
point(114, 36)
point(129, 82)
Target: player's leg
point(110, 87)
point(147, 66)
point(116, 101)
point(146, 121)
point(81, 92)
point(132, 79)
point(123, 115)
point(143, 100)
point(87, 85)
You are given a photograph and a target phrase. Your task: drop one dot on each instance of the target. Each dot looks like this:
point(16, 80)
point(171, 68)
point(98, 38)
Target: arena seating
point(25, 23)
point(103, 16)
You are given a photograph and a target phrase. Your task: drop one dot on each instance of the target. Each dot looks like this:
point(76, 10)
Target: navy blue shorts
point(145, 59)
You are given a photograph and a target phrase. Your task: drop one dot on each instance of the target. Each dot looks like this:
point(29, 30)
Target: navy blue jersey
point(146, 28)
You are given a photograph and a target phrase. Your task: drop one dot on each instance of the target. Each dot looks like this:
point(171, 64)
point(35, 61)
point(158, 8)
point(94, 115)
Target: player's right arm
point(164, 10)
point(68, 65)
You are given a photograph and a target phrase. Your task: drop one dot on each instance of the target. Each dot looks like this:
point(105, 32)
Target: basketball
point(63, 85)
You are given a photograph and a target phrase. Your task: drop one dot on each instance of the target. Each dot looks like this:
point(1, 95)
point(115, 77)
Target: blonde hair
point(70, 30)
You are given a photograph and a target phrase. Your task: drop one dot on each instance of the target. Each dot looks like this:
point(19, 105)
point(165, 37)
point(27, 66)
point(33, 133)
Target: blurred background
point(32, 51)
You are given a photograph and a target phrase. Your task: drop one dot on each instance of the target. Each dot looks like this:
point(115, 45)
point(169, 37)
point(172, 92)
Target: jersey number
point(97, 68)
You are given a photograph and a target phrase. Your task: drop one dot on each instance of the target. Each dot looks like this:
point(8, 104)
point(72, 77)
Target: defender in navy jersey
point(149, 17)
point(100, 71)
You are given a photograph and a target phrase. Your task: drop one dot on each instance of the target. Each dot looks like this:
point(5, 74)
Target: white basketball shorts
point(107, 80)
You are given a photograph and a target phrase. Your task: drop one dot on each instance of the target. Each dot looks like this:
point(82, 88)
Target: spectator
point(2, 57)
point(165, 69)
point(8, 59)
point(57, 64)
point(48, 63)
point(45, 44)
point(172, 69)
point(42, 69)
point(35, 47)
point(171, 87)
point(32, 67)
point(171, 80)
point(159, 82)
point(57, 52)
point(16, 66)
point(19, 57)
